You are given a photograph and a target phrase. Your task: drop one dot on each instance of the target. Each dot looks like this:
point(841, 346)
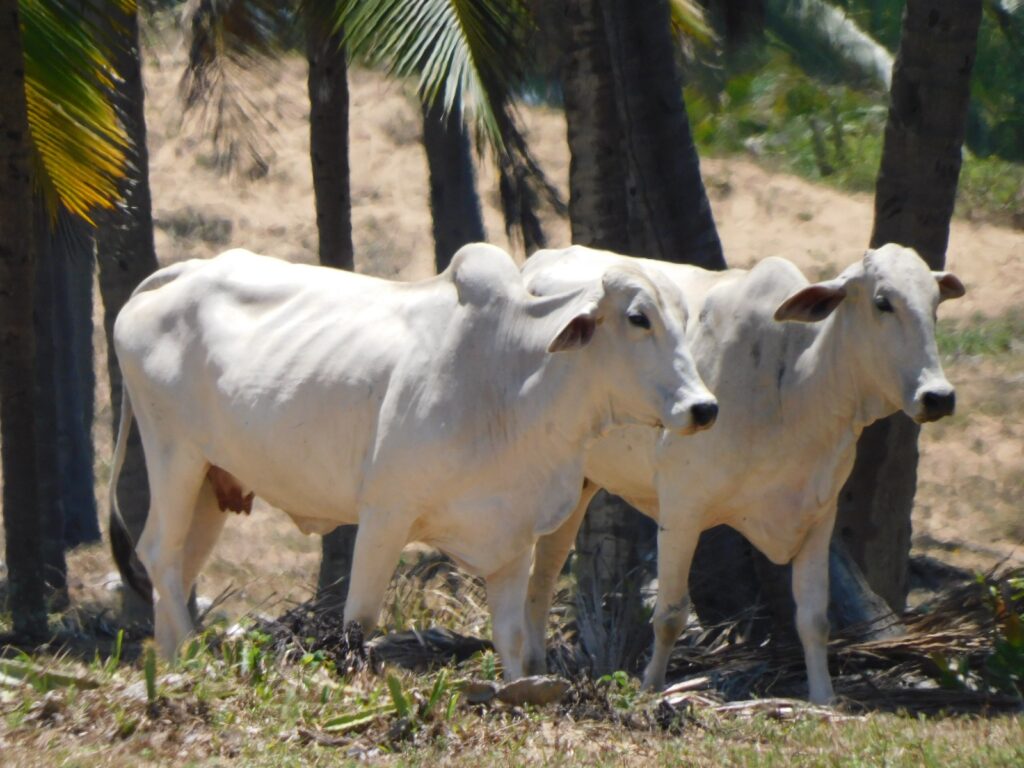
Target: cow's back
point(277, 372)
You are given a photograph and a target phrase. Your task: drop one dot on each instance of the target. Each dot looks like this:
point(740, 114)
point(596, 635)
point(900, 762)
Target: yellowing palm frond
point(78, 144)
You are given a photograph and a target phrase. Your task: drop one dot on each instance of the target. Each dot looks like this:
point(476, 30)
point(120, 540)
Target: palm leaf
point(78, 145)
point(231, 46)
point(468, 56)
point(689, 20)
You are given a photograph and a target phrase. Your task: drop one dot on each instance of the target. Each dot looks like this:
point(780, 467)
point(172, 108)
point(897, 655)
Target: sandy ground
point(971, 490)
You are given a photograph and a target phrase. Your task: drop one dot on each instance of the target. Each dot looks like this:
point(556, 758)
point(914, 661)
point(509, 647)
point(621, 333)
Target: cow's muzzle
point(693, 418)
point(936, 404)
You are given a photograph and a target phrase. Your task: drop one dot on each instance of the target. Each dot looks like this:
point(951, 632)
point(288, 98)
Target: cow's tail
point(121, 544)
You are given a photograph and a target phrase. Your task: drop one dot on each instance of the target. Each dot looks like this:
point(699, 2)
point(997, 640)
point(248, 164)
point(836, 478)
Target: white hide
point(793, 397)
point(452, 411)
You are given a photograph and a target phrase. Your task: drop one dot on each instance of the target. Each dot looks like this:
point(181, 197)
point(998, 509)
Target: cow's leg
point(506, 596)
point(810, 592)
point(677, 540)
point(548, 559)
point(207, 523)
point(175, 475)
point(379, 542)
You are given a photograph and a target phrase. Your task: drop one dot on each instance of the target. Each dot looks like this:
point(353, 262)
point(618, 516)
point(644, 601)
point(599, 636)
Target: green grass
point(982, 336)
point(829, 133)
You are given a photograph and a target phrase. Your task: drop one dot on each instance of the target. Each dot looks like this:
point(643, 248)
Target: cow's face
point(891, 297)
point(638, 325)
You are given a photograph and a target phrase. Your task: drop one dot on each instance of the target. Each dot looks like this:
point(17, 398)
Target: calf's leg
point(379, 542)
point(175, 475)
point(207, 524)
point(810, 592)
point(677, 540)
point(506, 595)
point(549, 557)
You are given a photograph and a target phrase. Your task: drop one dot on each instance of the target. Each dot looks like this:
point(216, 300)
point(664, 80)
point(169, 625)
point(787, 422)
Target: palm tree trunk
point(454, 204)
point(126, 254)
point(76, 379)
point(670, 215)
point(22, 519)
point(328, 142)
point(614, 539)
point(914, 199)
point(46, 419)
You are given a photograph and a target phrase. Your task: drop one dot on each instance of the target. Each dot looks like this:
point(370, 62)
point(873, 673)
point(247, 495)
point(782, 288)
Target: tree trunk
point(614, 539)
point(914, 199)
point(126, 255)
point(22, 519)
point(328, 143)
point(454, 204)
point(47, 453)
point(669, 212)
point(598, 207)
point(76, 379)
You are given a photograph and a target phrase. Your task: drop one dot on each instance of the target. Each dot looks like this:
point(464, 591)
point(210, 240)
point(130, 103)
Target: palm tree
point(57, 132)
point(914, 200)
point(22, 522)
point(635, 187)
point(126, 254)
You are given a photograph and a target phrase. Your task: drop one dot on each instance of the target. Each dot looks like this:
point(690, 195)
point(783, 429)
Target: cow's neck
point(832, 384)
point(554, 398)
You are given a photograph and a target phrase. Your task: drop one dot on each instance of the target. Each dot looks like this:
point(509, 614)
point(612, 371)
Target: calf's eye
point(883, 304)
point(639, 319)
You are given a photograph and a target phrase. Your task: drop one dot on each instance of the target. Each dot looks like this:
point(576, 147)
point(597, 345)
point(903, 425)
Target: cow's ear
point(811, 304)
point(577, 333)
point(950, 286)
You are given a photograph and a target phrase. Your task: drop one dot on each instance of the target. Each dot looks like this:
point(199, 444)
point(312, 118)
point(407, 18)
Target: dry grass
point(301, 691)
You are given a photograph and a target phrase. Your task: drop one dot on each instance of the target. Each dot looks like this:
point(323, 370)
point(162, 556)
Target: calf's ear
point(811, 304)
point(576, 334)
point(950, 286)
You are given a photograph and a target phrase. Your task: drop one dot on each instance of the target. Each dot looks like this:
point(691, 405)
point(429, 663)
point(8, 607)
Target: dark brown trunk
point(614, 540)
point(598, 208)
point(328, 143)
point(46, 408)
point(23, 520)
point(126, 254)
point(76, 379)
point(914, 199)
point(454, 204)
point(669, 212)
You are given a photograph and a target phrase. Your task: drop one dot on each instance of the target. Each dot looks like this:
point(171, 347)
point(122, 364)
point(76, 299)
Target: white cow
point(794, 397)
point(452, 411)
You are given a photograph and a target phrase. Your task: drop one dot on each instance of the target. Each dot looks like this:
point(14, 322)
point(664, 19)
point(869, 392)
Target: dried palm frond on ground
point(963, 653)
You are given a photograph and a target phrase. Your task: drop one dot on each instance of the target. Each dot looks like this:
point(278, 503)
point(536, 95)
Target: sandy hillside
point(972, 468)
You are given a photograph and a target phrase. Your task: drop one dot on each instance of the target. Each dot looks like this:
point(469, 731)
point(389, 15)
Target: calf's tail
point(133, 573)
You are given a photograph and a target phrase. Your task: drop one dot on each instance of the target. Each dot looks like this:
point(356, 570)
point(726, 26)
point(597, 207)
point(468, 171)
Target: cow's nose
point(938, 404)
point(704, 414)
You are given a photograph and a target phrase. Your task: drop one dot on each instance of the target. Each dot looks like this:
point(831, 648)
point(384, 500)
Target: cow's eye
point(639, 319)
point(883, 304)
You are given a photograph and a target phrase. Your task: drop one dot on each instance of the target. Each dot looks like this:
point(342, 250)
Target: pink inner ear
point(815, 302)
point(577, 333)
point(950, 286)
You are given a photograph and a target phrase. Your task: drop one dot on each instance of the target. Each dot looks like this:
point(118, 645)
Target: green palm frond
point(466, 54)
point(689, 20)
point(78, 145)
point(232, 44)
